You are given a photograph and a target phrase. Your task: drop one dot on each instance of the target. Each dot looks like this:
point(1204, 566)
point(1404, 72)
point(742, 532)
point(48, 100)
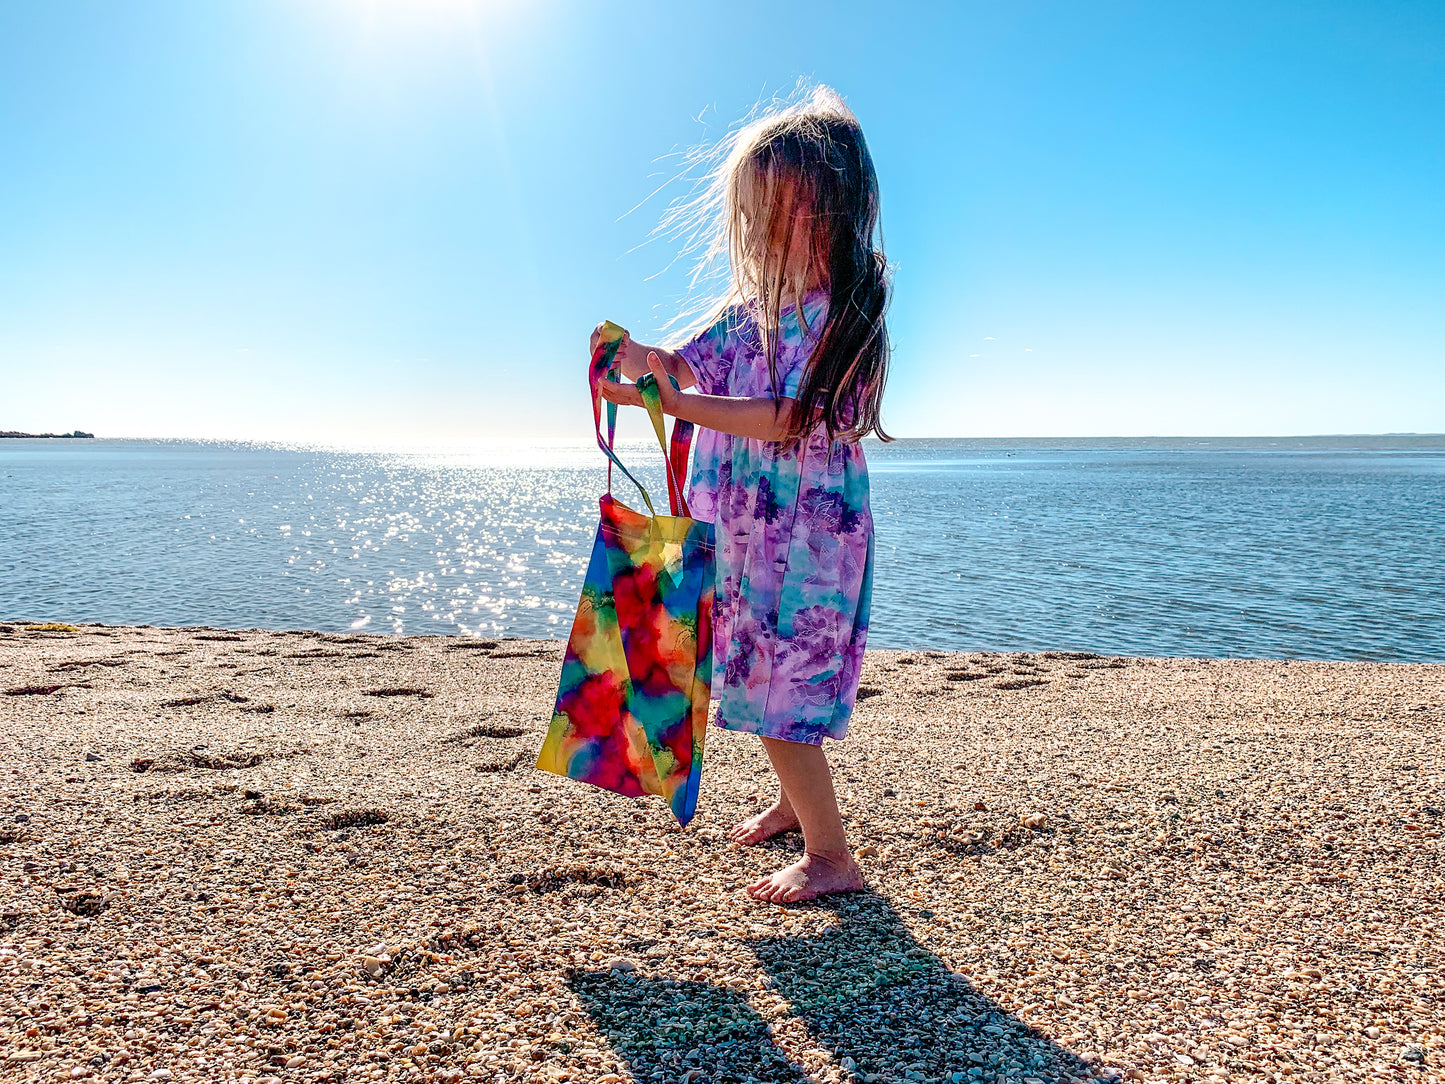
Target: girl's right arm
point(632, 358)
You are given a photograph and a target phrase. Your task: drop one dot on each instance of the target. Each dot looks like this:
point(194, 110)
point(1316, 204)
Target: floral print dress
point(794, 543)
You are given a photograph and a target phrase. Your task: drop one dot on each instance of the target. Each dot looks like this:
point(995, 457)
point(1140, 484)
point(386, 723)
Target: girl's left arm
point(758, 417)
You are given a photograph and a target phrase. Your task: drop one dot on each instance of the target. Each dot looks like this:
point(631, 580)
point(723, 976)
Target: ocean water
point(1323, 548)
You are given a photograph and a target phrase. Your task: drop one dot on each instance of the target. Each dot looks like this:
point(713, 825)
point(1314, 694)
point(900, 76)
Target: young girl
point(788, 376)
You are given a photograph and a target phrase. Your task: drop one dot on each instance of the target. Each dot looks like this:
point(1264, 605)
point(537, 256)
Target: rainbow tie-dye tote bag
point(631, 711)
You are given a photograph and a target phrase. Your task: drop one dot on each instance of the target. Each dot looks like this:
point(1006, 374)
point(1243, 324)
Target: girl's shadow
point(864, 988)
point(666, 1030)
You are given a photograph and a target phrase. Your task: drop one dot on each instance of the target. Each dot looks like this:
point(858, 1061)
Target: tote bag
point(631, 711)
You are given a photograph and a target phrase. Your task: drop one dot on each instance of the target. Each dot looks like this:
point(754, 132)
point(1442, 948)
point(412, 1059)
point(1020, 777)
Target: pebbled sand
point(1237, 874)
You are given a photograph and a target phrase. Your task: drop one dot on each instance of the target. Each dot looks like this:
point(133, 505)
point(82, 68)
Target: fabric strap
point(604, 364)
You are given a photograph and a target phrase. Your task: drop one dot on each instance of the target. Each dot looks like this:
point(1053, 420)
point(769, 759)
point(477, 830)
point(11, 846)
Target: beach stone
point(1291, 786)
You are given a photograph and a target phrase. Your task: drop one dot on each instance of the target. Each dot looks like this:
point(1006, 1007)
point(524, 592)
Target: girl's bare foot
point(809, 877)
point(777, 818)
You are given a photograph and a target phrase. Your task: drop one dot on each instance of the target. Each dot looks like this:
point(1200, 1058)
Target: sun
point(381, 20)
point(436, 10)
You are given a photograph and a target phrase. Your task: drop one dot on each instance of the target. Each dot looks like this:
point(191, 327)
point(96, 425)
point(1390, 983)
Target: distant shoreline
point(77, 435)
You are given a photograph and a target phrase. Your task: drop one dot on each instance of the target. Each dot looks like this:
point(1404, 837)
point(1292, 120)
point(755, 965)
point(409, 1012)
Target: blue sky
point(359, 219)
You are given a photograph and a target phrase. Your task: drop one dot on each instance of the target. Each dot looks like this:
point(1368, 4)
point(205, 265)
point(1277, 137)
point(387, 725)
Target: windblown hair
point(795, 187)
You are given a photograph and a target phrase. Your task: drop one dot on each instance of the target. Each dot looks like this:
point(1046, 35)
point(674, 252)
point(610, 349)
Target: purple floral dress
point(794, 544)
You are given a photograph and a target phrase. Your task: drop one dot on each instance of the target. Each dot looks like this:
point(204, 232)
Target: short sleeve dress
point(794, 543)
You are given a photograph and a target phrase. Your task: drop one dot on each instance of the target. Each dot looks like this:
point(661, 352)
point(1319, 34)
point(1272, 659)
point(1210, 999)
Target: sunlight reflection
point(467, 536)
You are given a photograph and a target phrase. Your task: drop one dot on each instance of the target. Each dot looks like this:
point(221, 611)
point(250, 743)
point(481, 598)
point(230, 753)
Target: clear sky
point(355, 219)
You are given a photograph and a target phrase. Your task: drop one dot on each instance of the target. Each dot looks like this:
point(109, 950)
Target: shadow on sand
point(864, 989)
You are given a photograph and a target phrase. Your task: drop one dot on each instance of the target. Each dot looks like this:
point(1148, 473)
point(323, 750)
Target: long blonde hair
point(797, 172)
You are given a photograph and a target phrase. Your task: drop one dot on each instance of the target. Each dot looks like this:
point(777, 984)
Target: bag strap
point(677, 461)
point(604, 363)
point(604, 359)
point(674, 453)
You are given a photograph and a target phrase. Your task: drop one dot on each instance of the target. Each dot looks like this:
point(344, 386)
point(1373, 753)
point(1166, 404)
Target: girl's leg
point(777, 818)
point(826, 865)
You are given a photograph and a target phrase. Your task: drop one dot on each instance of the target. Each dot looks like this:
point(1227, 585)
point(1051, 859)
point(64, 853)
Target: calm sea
point(1325, 548)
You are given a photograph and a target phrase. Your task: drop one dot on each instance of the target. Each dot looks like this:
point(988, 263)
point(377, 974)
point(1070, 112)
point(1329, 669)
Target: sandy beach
point(302, 856)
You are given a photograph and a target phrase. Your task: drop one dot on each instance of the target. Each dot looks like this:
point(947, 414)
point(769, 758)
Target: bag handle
point(604, 363)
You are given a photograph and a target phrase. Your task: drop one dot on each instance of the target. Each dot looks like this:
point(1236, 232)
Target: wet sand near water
point(302, 856)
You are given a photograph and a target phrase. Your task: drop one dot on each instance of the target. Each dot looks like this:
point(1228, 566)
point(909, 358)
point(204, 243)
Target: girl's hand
point(597, 335)
point(621, 394)
point(628, 395)
point(630, 357)
point(666, 393)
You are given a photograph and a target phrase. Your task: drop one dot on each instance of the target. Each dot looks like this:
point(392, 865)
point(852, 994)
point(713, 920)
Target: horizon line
point(9, 435)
